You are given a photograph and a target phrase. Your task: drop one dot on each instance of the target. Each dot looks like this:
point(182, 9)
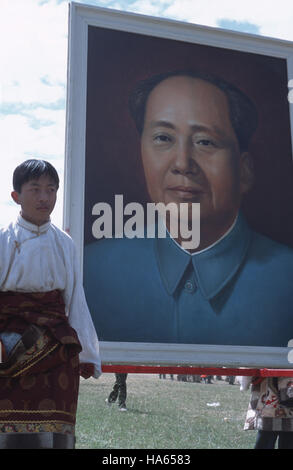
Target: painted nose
point(184, 162)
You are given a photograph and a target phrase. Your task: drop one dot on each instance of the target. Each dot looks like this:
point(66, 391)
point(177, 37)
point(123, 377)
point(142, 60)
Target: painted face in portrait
point(190, 152)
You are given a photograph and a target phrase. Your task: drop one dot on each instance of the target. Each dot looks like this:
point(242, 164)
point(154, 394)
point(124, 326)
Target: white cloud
point(30, 89)
point(149, 7)
point(33, 45)
point(33, 58)
point(274, 19)
point(20, 141)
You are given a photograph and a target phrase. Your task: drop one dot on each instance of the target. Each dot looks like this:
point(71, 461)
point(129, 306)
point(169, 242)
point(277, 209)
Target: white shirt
point(41, 259)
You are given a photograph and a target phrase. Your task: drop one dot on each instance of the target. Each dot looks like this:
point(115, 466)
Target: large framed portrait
point(164, 116)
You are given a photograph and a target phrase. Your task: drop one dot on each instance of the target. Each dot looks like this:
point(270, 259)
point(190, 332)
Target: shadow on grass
point(151, 413)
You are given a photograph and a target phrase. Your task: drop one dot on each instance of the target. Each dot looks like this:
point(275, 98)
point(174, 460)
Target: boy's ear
point(14, 196)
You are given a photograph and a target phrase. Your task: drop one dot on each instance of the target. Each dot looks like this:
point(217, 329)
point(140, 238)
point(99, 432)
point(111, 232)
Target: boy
point(45, 325)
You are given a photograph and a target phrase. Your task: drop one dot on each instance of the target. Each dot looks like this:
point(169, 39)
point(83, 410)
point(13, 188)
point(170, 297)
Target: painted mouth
point(186, 192)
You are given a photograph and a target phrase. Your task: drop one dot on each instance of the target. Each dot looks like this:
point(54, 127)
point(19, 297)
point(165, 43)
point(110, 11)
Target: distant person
point(46, 330)
point(231, 379)
point(182, 378)
point(119, 392)
point(207, 379)
point(195, 378)
point(270, 411)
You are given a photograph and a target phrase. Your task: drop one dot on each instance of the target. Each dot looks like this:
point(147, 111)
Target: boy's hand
point(86, 369)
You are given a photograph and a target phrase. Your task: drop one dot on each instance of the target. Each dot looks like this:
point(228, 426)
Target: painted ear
point(246, 172)
point(15, 196)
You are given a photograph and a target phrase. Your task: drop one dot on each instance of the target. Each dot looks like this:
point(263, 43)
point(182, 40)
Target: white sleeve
point(79, 316)
point(7, 247)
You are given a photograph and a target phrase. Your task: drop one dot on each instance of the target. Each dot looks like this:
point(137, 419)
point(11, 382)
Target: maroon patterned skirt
point(39, 378)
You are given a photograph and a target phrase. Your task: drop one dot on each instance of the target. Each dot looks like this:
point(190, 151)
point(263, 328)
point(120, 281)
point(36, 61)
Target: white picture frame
point(81, 18)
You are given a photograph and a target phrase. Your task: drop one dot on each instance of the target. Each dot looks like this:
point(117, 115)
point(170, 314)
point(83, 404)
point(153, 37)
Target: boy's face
point(37, 199)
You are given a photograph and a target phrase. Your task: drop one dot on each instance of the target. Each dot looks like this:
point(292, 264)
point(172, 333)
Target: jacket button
point(189, 286)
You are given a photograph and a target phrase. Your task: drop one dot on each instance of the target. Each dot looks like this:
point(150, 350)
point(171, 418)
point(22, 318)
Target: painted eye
point(162, 138)
point(205, 142)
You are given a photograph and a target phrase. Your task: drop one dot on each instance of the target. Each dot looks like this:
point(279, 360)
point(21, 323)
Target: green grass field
point(163, 414)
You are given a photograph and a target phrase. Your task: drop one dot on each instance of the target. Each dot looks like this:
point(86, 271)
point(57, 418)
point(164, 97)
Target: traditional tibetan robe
point(45, 330)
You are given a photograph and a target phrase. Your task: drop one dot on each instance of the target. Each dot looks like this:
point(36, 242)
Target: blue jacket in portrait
point(237, 292)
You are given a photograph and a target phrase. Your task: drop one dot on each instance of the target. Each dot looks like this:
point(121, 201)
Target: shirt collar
point(213, 267)
point(38, 229)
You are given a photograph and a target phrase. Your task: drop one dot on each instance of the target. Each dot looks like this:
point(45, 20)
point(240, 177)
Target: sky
point(33, 69)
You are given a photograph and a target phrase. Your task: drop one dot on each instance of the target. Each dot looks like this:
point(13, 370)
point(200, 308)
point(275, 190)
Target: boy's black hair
point(243, 113)
point(32, 170)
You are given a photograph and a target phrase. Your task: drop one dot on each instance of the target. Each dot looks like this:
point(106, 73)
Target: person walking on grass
point(119, 391)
